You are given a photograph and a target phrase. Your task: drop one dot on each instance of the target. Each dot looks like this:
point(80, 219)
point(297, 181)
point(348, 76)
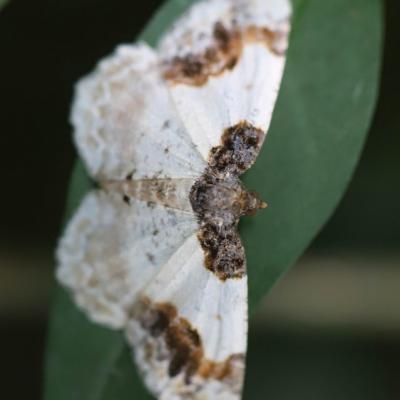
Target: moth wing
point(110, 250)
point(125, 123)
point(223, 62)
point(189, 330)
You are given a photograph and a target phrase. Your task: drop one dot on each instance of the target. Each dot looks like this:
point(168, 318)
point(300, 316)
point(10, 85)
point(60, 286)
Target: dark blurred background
point(331, 327)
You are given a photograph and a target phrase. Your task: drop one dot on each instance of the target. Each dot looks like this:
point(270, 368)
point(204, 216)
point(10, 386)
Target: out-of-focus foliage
point(321, 120)
point(3, 3)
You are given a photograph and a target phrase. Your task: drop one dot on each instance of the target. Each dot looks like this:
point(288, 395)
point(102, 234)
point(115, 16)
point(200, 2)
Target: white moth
point(166, 133)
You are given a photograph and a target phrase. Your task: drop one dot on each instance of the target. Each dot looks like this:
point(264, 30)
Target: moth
point(154, 250)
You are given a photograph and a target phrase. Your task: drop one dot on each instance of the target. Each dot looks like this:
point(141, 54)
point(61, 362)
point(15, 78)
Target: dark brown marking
point(222, 55)
point(129, 176)
point(238, 151)
point(222, 36)
point(154, 319)
point(219, 199)
point(126, 199)
point(166, 124)
point(150, 257)
point(184, 344)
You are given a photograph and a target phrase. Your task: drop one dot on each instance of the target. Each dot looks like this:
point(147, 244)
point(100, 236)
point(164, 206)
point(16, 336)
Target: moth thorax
point(223, 200)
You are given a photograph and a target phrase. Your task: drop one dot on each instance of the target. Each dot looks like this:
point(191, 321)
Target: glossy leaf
point(319, 126)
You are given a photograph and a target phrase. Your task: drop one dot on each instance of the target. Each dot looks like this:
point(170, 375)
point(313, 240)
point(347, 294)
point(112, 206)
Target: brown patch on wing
point(223, 54)
point(255, 34)
point(240, 145)
point(184, 344)
point(225, 370)
point(223, 250)
point(219, 199)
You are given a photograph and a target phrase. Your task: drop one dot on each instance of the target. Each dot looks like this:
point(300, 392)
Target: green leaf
point(3, 3)
point(322, 116)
